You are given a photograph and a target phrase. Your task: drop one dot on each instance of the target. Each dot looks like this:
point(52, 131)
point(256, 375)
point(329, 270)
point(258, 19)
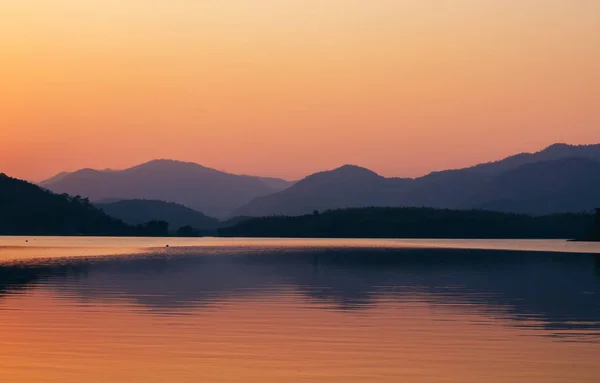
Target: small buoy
point(26, 240)
point(167, 246)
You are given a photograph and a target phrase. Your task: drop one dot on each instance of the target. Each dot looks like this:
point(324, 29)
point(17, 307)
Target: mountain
point(566, 185)
point(135, 212)
point(347, 186)
point(455, 188)
point(200, 188)
point(560, 178)
point(26, 209)
point(56, 178)
point(552, 152)
point(414, 223)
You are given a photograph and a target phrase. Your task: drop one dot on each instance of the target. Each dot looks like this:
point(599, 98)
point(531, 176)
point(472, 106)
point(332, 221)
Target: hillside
point(595, 235)
point(348, 186)
point(136, 212)
point(567, 185)
point(560, 178)
point(414, 223)
point(26, 209)
point(200, 188)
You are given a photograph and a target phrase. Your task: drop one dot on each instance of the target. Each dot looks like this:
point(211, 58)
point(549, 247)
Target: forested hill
point(415, 223)
point(27, 209)
point(136, 212)
point(559, 179)
point(595, 236)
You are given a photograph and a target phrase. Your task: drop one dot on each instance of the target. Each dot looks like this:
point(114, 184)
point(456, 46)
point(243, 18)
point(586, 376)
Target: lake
point(300, 310)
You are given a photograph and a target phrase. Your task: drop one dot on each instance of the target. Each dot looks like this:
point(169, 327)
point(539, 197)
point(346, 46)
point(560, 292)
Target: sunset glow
point(286, 88)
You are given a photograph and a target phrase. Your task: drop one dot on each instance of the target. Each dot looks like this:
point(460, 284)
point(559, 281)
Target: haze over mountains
point(27, 209)
point(138, 212)
point(560, 178)
point(207, 190)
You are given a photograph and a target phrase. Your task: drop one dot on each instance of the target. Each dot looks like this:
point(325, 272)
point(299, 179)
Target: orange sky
point(286, 88)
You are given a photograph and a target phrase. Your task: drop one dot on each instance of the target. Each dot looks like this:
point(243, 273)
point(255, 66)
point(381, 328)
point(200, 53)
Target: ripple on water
point(249, 312)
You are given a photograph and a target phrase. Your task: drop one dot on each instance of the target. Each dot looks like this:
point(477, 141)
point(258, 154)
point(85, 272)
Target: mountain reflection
point(560, 290)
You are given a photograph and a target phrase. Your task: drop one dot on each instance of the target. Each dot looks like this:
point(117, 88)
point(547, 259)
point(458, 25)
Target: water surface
point(262, 310)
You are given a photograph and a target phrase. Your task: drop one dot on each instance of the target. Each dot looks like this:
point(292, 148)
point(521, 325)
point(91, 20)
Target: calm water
point(242, 310)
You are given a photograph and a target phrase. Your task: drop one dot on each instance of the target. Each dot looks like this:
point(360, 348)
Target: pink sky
point(286, 88)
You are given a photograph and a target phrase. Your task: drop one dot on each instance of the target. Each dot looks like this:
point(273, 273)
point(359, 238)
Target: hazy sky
point(289, 87)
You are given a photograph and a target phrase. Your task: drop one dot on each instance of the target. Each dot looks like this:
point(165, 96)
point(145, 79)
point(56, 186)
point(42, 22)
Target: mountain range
point(210, 191)
point(560, 178)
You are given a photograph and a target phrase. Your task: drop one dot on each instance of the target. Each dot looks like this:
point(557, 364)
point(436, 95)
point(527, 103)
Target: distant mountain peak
point(165, 162)
point(86, 170)
point(352, 167)
point(558, 145)
point(198, 187)
point(353, 170)
point(352, 173)
point(561, 147)
point(497, 185)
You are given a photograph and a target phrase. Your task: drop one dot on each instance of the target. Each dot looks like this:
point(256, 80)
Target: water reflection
point(559, 292)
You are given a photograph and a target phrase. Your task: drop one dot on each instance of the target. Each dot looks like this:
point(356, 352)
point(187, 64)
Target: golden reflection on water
point(47, 339)
point(240, 310)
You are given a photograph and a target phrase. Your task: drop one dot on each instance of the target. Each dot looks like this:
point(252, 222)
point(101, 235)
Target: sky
point(287, 88)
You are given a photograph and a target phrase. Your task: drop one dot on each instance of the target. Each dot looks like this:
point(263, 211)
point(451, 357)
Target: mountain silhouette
point(347, 186)
point(560, 178)
point(200, 188)
point(412, 222)
point(27, 209)
point(136, 212)
point(571, 184)
point(552, 152)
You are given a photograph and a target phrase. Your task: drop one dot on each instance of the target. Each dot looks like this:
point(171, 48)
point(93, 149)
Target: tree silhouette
point(596, 231)
point(187, 231)
point(27, 209)
point(155, 229)
point(414, 223)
